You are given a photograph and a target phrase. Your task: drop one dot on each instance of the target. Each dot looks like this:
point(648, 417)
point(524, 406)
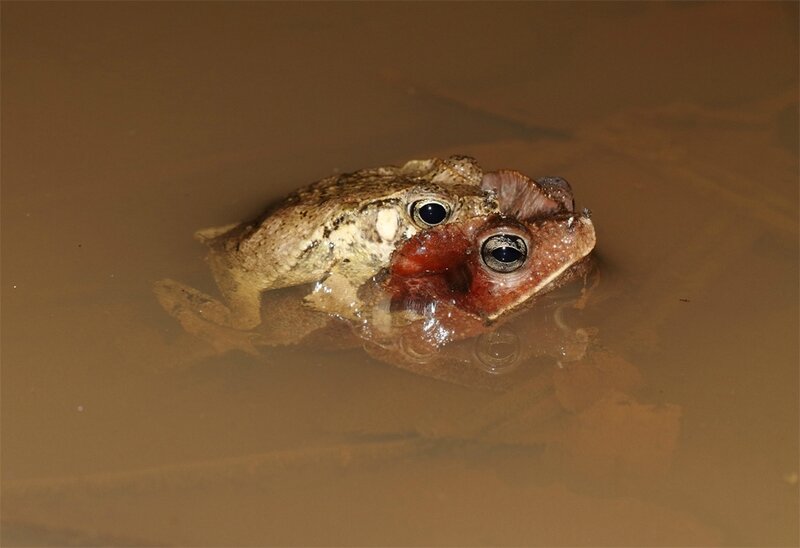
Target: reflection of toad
point(584, 415)
point(488, 357)
point(336, 233)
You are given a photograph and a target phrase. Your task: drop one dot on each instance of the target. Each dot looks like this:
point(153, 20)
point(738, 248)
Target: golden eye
point(427, 213)
point(504, 252)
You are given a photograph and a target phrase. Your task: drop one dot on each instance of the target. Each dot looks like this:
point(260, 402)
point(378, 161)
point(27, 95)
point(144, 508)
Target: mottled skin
point(336, 233)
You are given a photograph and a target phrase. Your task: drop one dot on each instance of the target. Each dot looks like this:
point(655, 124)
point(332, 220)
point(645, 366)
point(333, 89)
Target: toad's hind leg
point(203, 316)
point(243, 311)
point(181, 300)
point(241, 290)
point(289, 322)
point(244, 305)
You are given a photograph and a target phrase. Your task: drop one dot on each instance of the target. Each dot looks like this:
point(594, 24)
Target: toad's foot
point(203, 316)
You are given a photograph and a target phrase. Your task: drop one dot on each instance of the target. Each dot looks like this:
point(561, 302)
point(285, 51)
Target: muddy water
point(128, 126)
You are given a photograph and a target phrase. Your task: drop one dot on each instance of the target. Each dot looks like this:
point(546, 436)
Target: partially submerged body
point(336, 233)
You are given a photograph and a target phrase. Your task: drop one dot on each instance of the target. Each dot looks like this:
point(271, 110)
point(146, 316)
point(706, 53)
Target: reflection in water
point(576, 423)
point(498, 352)
point(659, 410)
point(489, 357)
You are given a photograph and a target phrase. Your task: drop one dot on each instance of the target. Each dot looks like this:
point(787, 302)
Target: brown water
point(125, 127)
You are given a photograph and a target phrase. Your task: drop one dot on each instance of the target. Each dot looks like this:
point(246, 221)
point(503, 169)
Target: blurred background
point(127, 126)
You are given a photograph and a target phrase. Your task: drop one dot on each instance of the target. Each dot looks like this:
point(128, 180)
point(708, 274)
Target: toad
point(456, 281)
point(334, 234)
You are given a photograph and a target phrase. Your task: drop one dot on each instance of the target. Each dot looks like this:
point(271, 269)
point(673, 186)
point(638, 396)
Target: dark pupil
point(432, 213)
point(506, 254)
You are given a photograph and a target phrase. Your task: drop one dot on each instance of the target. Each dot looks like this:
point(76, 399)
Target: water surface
point(128, 126)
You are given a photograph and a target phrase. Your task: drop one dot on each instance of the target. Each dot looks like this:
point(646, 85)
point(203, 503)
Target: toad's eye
point(504, 252)
point(427, 213)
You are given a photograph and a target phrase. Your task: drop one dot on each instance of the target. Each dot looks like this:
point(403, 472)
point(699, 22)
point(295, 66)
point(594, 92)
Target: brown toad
point(336, 234)
point(456, 281)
